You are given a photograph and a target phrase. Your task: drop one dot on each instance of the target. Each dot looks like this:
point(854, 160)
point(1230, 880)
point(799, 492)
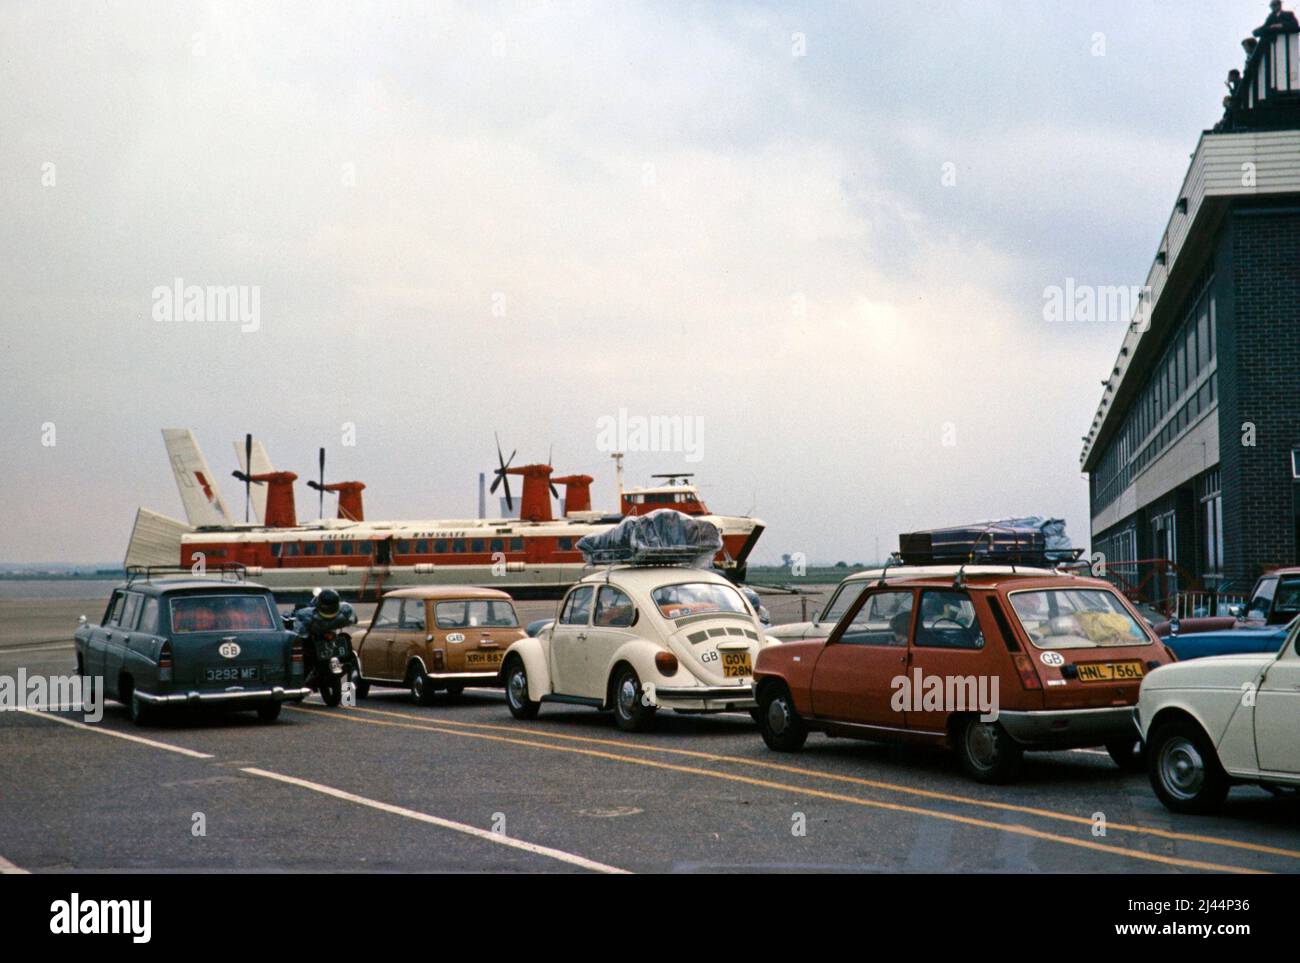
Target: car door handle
point(582, 636)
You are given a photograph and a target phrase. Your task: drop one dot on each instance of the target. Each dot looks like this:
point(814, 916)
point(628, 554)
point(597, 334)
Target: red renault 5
point(988, 660)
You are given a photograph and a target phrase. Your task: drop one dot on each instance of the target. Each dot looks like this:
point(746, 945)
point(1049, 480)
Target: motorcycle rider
point(324, 613)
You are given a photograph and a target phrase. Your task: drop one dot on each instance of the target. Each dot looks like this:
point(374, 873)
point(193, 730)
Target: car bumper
point(468, 678)
point(227, 697)
point(1068, 728)
point(702, 698)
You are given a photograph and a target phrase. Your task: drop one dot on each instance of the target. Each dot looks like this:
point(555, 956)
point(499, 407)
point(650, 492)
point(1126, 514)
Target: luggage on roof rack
point(662, 537)
point(1017, 541)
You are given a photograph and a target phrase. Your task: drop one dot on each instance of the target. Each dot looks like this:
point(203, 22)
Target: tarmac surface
point(461, 786)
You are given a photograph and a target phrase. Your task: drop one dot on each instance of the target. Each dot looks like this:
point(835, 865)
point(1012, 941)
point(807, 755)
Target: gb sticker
point(1052, 658)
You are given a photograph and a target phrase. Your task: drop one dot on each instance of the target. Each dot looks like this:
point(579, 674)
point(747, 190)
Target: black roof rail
point(227, 572)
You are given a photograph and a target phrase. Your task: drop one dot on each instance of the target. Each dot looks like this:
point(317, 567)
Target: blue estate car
point(1244, 638)
point(192, 641)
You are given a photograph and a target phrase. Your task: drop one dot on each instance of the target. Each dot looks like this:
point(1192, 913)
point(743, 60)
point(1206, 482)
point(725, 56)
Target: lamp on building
point(1182, 205)
point(1161, 257)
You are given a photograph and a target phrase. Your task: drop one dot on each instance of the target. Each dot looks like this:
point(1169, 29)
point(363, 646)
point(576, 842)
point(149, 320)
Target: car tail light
point(666, 663)
point(296, 656)
point(165, 663)
point(1028, 677)
point(439, 660)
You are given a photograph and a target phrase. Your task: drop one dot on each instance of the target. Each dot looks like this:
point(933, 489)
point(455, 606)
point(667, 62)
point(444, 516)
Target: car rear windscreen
point(476, 613)
point(1076, 619)
point(221, 613)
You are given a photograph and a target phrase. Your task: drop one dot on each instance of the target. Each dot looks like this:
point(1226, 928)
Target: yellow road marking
point(870, 784)
point(801, 791)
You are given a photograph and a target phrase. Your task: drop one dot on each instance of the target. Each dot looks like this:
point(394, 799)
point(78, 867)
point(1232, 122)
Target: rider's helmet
point(327, 603)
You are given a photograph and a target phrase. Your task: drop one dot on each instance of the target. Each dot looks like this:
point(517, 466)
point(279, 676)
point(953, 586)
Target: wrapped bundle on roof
point(1029, 541)
point(663, 537)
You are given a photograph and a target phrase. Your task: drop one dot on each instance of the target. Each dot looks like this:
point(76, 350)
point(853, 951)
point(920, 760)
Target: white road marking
point(23, 650)
point(468, 830)
point(120, 735)
point(9, 869)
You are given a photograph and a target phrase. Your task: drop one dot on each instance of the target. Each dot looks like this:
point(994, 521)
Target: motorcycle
point(335, 666)
point(332, 663)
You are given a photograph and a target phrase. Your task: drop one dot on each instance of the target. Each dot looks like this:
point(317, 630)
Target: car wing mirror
point(81, 620)
point(1235, 611)
point(1174, 626)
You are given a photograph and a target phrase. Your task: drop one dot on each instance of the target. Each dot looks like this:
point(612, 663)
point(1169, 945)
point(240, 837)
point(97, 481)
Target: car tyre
point(779, 723)
point(1184, 769)
point(987, 753)
point(422, 689)
point(268, 712)
point(331, 690)
point(631, 714)
point(1129, 754)
point(359, 685)
point(516, 679)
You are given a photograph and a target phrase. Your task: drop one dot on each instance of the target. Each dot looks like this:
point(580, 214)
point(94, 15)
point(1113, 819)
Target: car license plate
point(230, 673)
point(736, 664)
point(483, 658)
point(1109, 671)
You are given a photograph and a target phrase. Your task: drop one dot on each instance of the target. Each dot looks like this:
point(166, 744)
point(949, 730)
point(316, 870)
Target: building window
point(1162, 409)
point(1212, 520)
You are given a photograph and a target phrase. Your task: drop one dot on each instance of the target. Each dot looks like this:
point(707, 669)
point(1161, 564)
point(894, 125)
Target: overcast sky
point(825, 230)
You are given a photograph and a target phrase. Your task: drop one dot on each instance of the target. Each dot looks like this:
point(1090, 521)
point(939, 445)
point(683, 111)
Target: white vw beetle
point(637, 638)
point(1212, 722)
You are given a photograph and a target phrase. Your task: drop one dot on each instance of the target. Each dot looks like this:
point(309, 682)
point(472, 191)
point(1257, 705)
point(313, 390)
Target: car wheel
point(142, 714)
point(421, 688)
point(1128, 754)
point(359, 685)
point(268, 712)
point(779, 723)
point(521, 707)
point(331, 690)
point(1184, 769)
point(631, 714)
point(987, 753)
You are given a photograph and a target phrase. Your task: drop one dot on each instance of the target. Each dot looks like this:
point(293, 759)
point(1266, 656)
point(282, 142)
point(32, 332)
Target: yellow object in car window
point(1101, 626)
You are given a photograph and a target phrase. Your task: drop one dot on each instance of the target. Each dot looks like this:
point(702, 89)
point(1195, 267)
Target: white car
point(1224, 719)
point(636, 639)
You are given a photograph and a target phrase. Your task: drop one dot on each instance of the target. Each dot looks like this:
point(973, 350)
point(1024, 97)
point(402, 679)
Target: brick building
point(1194, 453)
